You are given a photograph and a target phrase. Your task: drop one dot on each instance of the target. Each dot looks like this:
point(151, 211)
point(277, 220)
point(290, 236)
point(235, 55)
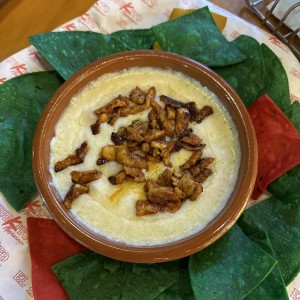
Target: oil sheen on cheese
point(110, 210)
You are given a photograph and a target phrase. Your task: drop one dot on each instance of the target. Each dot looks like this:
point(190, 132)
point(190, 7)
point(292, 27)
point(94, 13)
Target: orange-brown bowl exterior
point(158, 59)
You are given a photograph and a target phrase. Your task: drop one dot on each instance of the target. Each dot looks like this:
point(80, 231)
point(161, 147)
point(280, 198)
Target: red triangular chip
point(48, 245)
point(278, 143)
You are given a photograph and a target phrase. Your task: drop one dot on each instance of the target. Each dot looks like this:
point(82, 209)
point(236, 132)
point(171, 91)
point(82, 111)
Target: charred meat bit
point(135, 174)
point(203, 175)
point(74, 192)
point(117, 139)
point(190, 188)
point(102, 118)
point(119, 178)
point(160, 194)
point(145, 207)
point(120, 101)
point(153, 135)
point(135, 131)
point(163, 149)
point(172, 102)
point(197, 115)
point(124, 157)
point(191, 147)
point(135, 109)
point(191, 139)
point(165, 178)
point(71, 160)
point(108, 152)
point(85, 177)
point(152, 120)
point(181, 122)
point(192, 160)
point(137, 96)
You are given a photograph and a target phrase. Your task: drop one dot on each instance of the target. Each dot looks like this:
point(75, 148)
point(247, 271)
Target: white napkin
point(293, 19)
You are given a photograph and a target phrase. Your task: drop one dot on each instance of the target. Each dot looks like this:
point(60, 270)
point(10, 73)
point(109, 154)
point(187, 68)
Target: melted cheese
point(109, 209)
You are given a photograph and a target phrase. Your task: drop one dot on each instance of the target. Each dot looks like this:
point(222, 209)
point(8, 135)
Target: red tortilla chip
point(278, 143)
point(48, 246)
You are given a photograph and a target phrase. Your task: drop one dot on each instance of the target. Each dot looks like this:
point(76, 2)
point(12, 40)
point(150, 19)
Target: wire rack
point(285, 34)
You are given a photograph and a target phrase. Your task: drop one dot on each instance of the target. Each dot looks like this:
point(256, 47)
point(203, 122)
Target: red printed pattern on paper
point(20, 278)
point(102, 7)
point(150, 3)
point(4, 255)
point(295, 295)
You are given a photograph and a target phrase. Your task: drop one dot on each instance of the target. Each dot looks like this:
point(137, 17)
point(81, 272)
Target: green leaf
point(196, 35)
point(69, 51)
point(273, 286)
point(281, 221)
point(245, 77)
point(231, 267)
point(22, 100)
point(276, 83)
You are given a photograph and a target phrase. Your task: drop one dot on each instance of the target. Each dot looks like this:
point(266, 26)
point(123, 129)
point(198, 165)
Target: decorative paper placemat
point(106, 16)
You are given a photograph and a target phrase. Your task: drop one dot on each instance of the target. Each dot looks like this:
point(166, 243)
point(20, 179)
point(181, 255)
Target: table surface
point(20, 19)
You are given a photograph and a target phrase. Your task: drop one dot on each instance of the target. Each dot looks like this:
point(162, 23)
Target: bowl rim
point(143, 254)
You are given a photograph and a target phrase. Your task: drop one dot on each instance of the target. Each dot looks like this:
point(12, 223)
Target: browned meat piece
point(124, 157)
point(74, 192)
point(191, 139)
point(145, 207)
point(135, 109)
point(145, 147)
point(109, 152)
point(119, 178)
point(190, 188)
point(192, 160)
point(181, 122)
point(154, 159)
point(128, 174)
point(197, 115)
point(71, 160)
point(135, 131)
point(102, 118)
point(191, 147)
point(200, 165)
point(163, 149)
point(160, 194)
point(152, 120)
point(172, 102)
point(117, 138)
point(120, 101)
point(168, 121)
point(85, 177)
point(153, 135)
point(203, 175)
point(165, 178)
point(135, 174)
point(137, 96)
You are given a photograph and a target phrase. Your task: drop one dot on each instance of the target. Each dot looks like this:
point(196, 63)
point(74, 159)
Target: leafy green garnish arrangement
point(256, 258)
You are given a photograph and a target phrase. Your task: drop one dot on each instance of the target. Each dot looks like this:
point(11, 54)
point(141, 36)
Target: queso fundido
point(111, 208)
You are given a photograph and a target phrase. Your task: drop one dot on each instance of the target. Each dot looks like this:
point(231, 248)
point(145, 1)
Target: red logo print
point(295, 295)
point(11, 223)
point(70, 27)
point(19, 69)
point(127, 7)
point(2, 80)
point(33, 206)
point(20, 278)
point(4, 255)
point(102, 7)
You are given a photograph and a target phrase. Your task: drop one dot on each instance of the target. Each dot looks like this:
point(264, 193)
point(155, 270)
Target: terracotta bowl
point(216, 228)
